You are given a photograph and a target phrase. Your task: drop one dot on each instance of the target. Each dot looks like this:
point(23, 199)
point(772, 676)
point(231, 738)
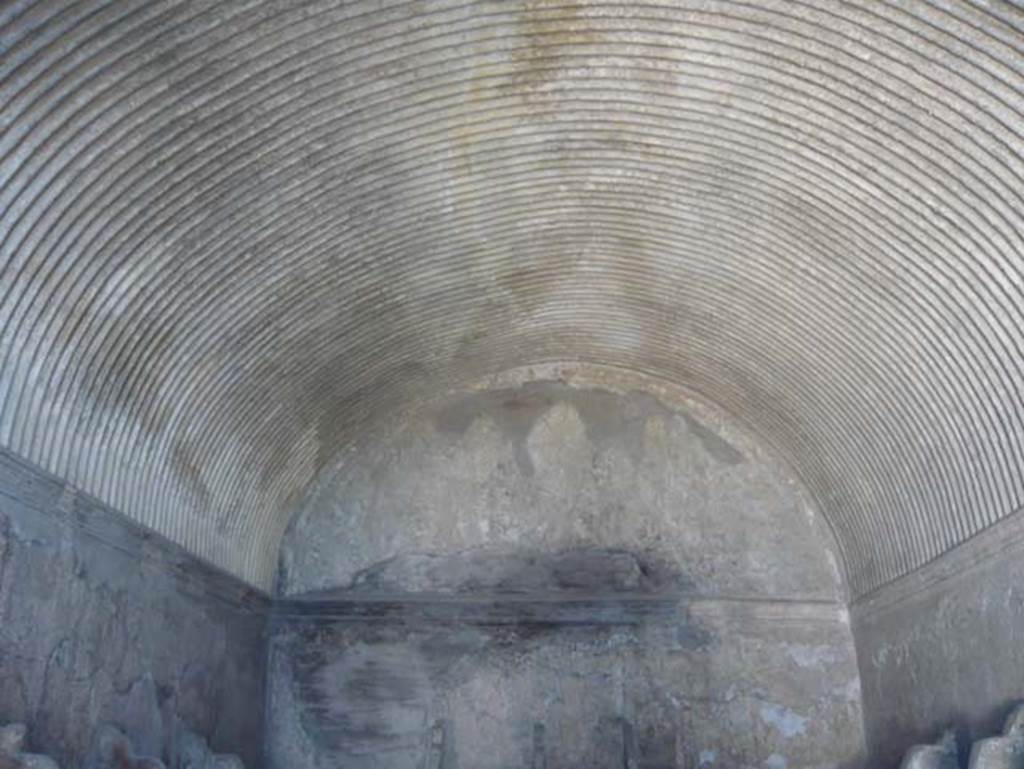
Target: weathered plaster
point(102, 622)
point(582, 572)
point(665, 688)
point(591, 460)
point(942, 648)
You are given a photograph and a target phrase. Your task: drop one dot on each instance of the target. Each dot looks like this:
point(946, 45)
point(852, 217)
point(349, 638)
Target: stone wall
point(942, 648)
point(590, 572)
point(609, 684)
point(102, 622)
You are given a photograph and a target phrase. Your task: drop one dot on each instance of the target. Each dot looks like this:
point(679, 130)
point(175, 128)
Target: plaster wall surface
point(600, 686)
point(548, 459)
point(576, 572)
point(944, 647)
point(104, 622)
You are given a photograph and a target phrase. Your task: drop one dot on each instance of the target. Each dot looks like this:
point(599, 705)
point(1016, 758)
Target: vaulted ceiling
point(234, 233)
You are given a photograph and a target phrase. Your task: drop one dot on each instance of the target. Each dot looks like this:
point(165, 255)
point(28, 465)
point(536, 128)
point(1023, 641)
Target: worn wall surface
point(547, 459)
point(568, 571)
point(945, 646)
point(103, 622)
point(604, 684)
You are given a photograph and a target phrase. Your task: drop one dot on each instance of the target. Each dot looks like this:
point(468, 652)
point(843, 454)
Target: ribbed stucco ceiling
point(235, 232)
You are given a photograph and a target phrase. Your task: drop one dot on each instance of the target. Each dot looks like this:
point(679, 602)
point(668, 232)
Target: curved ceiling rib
point(233, 233)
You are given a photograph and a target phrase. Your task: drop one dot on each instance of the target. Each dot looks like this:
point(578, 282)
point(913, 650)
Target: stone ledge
point(622, 609)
